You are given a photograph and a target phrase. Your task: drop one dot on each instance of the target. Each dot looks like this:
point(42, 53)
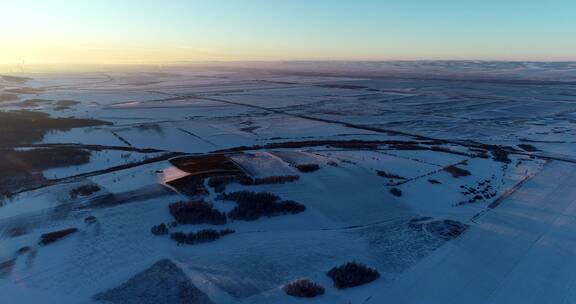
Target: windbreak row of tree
point(196, 212)
point(250, 206)
point(219, 183)
point(202, 236)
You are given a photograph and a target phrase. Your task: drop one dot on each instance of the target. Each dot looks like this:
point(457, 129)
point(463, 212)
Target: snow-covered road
point(524, 251)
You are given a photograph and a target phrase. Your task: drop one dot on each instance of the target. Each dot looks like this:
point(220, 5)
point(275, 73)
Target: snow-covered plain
point(490, 145)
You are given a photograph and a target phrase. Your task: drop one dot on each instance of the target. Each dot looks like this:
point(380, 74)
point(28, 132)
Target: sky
point(162, 31)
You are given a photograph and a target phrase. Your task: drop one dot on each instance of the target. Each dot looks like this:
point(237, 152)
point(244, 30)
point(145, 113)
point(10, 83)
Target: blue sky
point(155, 30)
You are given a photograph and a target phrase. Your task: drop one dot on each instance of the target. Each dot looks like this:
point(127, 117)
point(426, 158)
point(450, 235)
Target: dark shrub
point(85, 190)
point(179, 237)
point(226, 232)
point(307, 168)
point(292, 207)
point(396, 192)
point(52, 237)
point(433, 181)
point(351, 275)
point(251, 205)
point(90, 219)
point(303, 289)
point(457, 172)
point(161, 229)
point(202, 236)
point(24, 249)
point(196, 212)
point(332, 163)
point(528, 148)
point(388, 175)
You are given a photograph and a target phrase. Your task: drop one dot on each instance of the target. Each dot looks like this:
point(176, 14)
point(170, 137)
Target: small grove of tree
point(161, 229)
point(196, 212)
point(307, 168)
point(303, 288)
point(396, 192)
point(202, 236)
point(457, 172)
point(352, 274)
point(90, 219)
point(251, 205)
point(500, 155)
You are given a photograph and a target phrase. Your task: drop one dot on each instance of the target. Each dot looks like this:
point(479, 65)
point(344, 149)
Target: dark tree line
point(253, 205)
point(202, 236)
point(51, 237)
point(196, 212)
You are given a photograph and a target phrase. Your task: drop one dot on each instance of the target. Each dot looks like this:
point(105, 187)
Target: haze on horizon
point(147, 31)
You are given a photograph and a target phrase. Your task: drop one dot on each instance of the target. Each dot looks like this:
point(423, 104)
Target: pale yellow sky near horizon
point(155, 32)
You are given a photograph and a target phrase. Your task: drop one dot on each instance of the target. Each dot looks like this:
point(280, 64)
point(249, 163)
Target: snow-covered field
point(381, 164)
